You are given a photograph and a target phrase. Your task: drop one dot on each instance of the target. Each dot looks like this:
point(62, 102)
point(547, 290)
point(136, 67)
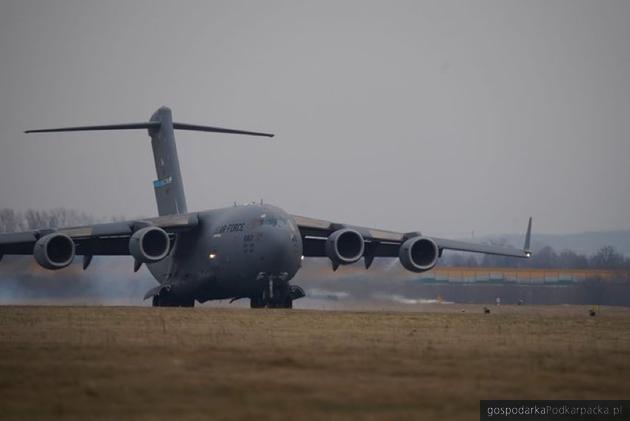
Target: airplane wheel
point(288, 303)
point(256, 302)
point(284, 301)
point(187, 303)
point(281, 298)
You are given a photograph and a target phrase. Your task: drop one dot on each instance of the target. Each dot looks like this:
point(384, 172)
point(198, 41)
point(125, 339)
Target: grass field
point(437, 363)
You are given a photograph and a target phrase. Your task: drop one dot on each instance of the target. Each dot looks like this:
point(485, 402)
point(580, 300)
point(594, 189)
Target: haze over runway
point(442, 117)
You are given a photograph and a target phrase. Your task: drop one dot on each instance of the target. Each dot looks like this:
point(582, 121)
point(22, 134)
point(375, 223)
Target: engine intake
point(418, 254)
point(54, 251)
point(149, 244)
point(345, 246)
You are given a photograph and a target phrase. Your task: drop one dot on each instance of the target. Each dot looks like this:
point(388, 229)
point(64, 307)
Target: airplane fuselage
point(234, 253)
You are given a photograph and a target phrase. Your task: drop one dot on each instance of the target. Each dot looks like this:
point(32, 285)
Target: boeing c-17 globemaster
point(250, 251)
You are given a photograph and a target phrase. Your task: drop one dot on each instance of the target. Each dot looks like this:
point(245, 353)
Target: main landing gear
point(277, 294)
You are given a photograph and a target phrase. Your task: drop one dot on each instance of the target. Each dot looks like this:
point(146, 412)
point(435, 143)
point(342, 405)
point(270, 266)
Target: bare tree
point(569, 259)
point(62, 217)
point(607, 258)
point(55, 218)
point(9, 220)
point(36, 219)
point(457, 260)
point(490, 260)
point(472, 261)
point(545, 258)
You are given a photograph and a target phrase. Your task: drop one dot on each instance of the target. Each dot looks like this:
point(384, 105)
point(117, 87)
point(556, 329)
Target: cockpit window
point(269, 220)
point(274, 221)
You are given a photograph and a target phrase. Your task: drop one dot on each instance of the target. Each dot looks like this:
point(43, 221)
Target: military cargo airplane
point(250, 251)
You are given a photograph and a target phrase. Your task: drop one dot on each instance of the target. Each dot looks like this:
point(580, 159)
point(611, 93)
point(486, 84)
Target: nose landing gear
point(277, 293)
point(166, 298)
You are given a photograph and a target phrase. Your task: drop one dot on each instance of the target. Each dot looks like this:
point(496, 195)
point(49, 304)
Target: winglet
point(528, 236)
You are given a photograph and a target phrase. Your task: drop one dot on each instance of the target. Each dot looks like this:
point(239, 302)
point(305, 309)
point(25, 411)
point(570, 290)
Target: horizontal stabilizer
point(151, 125)
point(128, 126)
point(184, 126)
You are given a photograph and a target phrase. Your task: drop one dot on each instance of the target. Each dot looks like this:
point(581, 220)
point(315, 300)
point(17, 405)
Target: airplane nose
point(281, 252)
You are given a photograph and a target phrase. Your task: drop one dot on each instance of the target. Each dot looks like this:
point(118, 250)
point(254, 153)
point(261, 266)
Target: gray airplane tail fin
point(169, 187)
point(528, 236)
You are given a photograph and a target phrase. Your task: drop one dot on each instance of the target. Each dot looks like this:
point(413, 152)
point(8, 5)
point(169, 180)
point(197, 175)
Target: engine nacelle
point(345, 246)
point(418, 254)
point(149, 244)
point(54, 251)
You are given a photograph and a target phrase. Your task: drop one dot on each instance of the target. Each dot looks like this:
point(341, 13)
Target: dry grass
point(145, 363)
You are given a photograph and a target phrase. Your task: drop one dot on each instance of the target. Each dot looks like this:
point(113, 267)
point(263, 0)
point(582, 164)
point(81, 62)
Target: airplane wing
point(381, 243)
point(109, 239)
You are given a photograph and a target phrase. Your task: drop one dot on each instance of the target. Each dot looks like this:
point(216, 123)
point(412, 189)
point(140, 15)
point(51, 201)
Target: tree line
point(12, 221)
point(607, 257)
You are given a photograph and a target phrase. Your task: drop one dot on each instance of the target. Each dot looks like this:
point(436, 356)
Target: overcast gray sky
point(444, 117)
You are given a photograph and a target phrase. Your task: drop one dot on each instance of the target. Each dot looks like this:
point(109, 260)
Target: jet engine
point(418, 254)
point(345, 246)
point(149, 244)
point(54, 251)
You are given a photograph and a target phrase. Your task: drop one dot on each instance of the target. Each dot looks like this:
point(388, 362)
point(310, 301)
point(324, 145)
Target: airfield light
point(302, 257)
point(528, 254)
point(212, 255)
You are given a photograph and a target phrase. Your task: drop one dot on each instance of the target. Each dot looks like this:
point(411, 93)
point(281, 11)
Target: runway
point(436, 362)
